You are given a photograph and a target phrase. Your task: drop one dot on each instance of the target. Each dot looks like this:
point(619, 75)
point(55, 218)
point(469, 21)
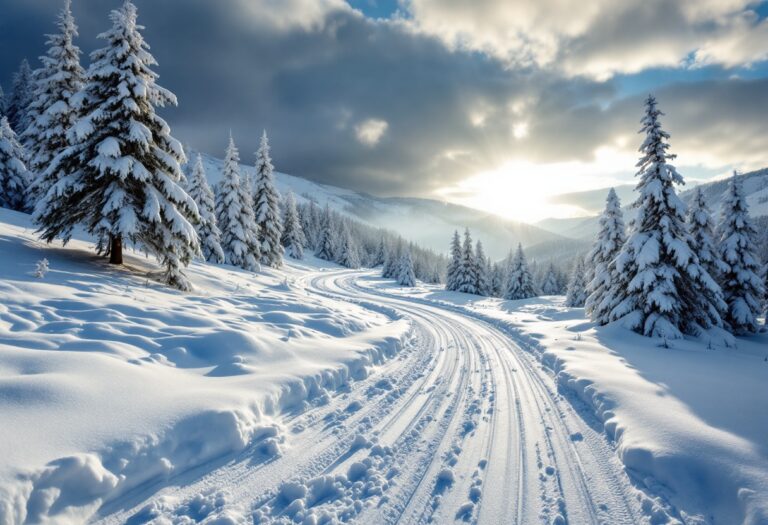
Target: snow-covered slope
point(427, 222)
point(109, 380)
point(755, 188)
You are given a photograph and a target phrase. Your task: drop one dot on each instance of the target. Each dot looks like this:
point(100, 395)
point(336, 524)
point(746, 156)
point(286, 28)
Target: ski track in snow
point(462, 426)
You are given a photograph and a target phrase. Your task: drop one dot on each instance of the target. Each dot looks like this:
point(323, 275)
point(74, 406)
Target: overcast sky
point(494, 103)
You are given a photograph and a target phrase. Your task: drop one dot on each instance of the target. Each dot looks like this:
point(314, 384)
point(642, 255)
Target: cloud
point(598, 38)
point(370, 131)
point(323, 82)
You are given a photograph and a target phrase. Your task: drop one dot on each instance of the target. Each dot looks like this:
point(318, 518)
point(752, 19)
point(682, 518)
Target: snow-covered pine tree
point(267, 203)
point(14, 178)
point(520, 281)
point(381, 253)
point(51, 113)
point(208, 231)
point(549, 284)
point(576, 295)
point(660, 288)
point(454, 264)
point(293, 234)
point(467, 273)
point(406, 275)
point(483, 284)
point(391, 266)
point(234, 213)
point(610, 239)
point(326, 236)
point(702, 228)
point(121, 173)
point(310, 219)
point(21, 96)
point(741, 281)
point(348, 255)
point(497, 280)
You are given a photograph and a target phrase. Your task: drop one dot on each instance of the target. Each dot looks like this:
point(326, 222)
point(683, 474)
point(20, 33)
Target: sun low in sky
point(493, 104)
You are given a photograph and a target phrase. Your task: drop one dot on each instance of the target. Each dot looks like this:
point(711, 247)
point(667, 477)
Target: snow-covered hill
point(109, 380)
point(755, 188)
point(427, 222)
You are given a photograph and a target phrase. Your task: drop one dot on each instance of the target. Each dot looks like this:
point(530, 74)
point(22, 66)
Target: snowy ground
point(335, 395)
point(109, 380)
point(689, 421)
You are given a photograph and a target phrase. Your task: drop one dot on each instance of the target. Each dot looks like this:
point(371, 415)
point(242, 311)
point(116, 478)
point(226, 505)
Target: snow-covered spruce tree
point(406, 275)
point(391, 267)
point(467, 273)
point(13, 172)
point(381, 253)
point(234, 213)
point(520, 281)
point(21, 96)
point(659, 287)
point(702, 228)
point(348, 256)
point(576, 295)
point(120, 176)
point(208, 231)
point(483, 284)
point(549, 283)
point(497, 280)
point(326, 239)
point(293, 234)
point(610, 239)
point(741, 279)
point(51, 113)
point(454, 264)
point(267, 203)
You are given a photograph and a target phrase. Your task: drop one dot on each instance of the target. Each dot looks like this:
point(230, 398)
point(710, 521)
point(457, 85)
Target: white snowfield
point(320, 395)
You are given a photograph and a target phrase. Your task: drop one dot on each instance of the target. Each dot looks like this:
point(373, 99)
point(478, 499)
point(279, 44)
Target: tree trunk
point(116, 250)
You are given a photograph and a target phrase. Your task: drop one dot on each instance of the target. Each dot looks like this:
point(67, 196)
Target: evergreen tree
point(576, 295)
point(702, 228)
point(310, 223)
point(660, 288)
point(293, 234)
point(21, 96)
point(326, 238)
point(741, 282)
point(497, 280)
point(381, 253)
point(234, 213)
point(519, 281)
point(3, 104)
point(348, 256)
point(406, 276)
point(467, 272)
point(120, 176)
point(549, 284)
point(454, 264)
point(601, 259)
point(391, 266)
point(483, 284)
point(208, 231)
point(267, 202)
point(13, 172)
point(51, 113)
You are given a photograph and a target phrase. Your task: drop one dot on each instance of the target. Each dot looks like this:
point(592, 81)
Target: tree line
point(671, 272)
point(86, 148)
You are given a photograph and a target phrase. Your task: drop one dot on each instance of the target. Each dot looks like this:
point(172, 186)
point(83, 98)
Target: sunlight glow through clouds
point(522, 190)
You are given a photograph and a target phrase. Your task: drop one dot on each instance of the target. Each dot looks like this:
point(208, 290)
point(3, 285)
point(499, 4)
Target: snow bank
point(688, 419)
point(110, 381)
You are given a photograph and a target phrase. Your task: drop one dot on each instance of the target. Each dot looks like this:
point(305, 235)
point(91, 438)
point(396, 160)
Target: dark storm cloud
point(312, 82)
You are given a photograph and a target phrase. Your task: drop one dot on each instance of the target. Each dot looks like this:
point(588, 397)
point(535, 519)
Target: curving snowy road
point(462, 426)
